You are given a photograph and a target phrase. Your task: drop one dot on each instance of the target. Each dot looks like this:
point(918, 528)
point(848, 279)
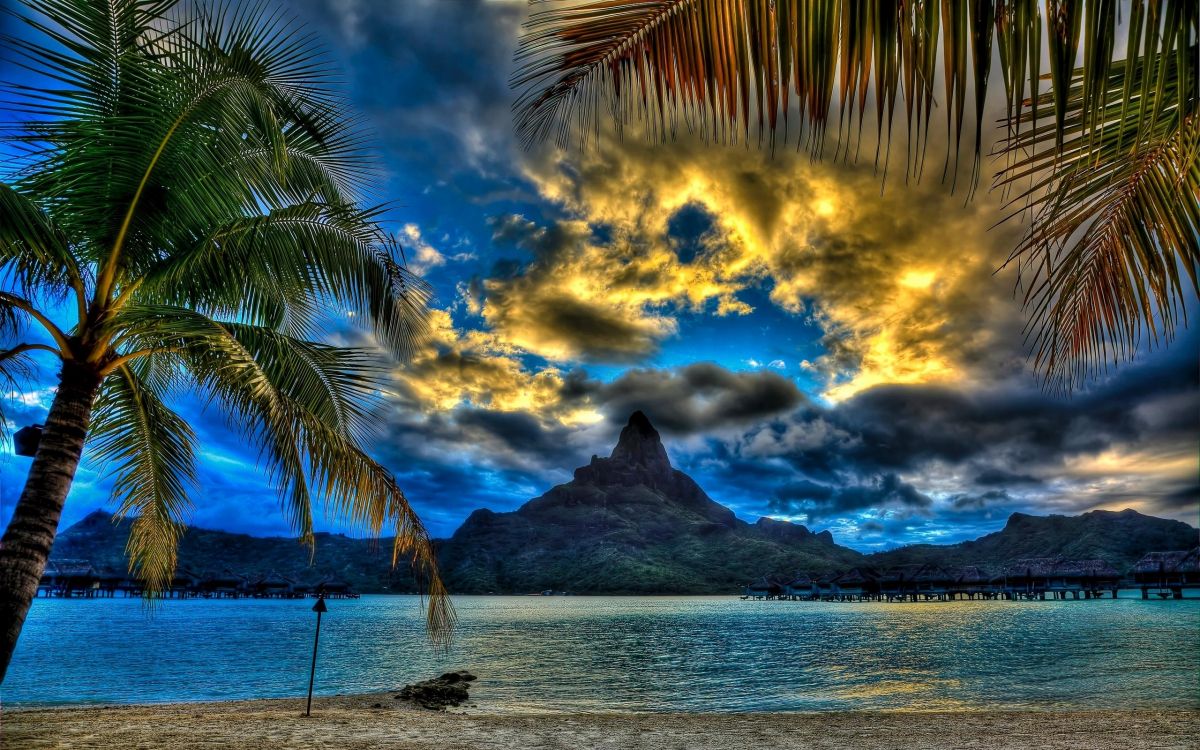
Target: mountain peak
point(640, 444)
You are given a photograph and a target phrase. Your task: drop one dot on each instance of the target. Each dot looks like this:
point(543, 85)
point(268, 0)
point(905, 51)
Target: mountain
point(628, 524)
point(363, 563)
point(1119, 537)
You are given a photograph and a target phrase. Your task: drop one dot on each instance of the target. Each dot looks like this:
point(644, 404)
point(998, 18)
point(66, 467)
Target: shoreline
point(377, 720)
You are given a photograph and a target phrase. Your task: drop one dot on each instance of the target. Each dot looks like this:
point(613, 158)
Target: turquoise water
point(626, 653)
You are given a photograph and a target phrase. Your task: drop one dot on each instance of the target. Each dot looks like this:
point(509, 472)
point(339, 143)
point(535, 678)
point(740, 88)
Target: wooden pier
point(1161, 574)
point(79, 579)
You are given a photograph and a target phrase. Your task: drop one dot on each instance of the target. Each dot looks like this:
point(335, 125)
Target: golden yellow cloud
point(901, 283)
point(477, 368)
point(582, 299)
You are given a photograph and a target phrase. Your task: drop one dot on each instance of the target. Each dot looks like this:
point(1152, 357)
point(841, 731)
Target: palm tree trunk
point(30, 533)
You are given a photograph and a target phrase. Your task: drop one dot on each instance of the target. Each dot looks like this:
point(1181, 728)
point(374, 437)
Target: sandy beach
point(356, 722)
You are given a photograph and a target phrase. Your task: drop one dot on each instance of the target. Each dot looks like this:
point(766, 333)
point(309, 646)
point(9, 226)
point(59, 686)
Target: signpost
point(320, 609)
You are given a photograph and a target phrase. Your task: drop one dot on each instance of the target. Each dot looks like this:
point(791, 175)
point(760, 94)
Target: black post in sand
point(320, 609)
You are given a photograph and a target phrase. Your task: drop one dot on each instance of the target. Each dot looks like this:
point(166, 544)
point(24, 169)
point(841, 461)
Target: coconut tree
point(1099, 146)
point(185, 213)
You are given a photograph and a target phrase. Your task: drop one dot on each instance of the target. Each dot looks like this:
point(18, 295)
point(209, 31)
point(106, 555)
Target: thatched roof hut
point(333, 587)
point(273, 584)
point(1057, 571)
point(1178, 566)
point(899, 575)
point(764, 587)
point(73, 574)
point(857, 580)
point(1030, 568)
point(223, 583)
point(969, 575)
point(184, 579)
point(1087, 570)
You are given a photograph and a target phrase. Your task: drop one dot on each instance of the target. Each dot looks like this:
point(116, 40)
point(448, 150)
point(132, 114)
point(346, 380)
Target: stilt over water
point(79, 579)
point(1163, 574)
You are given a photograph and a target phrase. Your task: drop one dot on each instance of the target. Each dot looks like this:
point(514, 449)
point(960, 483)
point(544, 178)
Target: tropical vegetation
point(1098, 147)
point(187, 210)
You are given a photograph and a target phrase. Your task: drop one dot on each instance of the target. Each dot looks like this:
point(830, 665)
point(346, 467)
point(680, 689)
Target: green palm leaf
point(188, 173)
point(1111, 255)
point(728, 70)
point(151, 452)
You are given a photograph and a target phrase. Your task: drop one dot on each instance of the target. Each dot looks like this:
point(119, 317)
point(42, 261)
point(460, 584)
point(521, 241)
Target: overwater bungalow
point(1031, 578)
point(224, 585)
point(934, 582)
point(899, 583)
point(824, 587)
point(80, 578)
point(109, 582)
point(855, 584)
point(332, 588)
point(69, 578)
point(802, 587)
point(1036, 577)
point(971, 581)
point(1167, 574)
point(763, 588)
point(184, 584)
point(274, 586)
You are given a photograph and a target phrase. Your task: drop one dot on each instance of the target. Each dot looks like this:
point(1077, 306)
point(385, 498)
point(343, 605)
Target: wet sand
point(354, 722)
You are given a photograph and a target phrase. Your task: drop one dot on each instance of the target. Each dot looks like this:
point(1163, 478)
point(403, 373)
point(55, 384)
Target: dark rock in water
point(448, 690)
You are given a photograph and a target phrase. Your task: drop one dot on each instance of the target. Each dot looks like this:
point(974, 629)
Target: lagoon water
point(625, 653)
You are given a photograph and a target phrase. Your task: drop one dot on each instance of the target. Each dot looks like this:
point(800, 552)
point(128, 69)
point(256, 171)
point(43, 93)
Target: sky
point(812, 346)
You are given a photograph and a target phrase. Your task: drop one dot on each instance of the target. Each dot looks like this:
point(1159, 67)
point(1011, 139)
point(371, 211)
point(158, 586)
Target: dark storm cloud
point(979, 500)
point(803, 491)
point(589, 331)
point(821, 501)
point(995, 476)
point(905, 427)
point(1004, 442)
point(546, 243)
point(692, 399)
point(452, 463)
point(517, 432)
point(1185, 498)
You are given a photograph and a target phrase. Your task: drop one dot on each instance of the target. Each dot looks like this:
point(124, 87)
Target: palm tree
point(185, 215)
point(1103, 157)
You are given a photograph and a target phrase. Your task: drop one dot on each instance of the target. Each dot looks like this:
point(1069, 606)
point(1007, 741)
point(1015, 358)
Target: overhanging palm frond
point(1104, 155)
point(1116, 202)
point(286, 267)
point(193, 161)
point(151, 452)
point(304, 404)
point(727, 69)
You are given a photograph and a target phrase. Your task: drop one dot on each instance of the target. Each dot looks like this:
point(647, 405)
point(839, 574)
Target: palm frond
point(288, 267)
point(35, 255)
point(1116, 201)
point(151, 452)
point(17, 366)
point(726, 68)
point(303, 403)
point(195, 162)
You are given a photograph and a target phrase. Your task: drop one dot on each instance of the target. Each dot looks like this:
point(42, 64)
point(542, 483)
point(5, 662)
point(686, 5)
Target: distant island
point(627, 524)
